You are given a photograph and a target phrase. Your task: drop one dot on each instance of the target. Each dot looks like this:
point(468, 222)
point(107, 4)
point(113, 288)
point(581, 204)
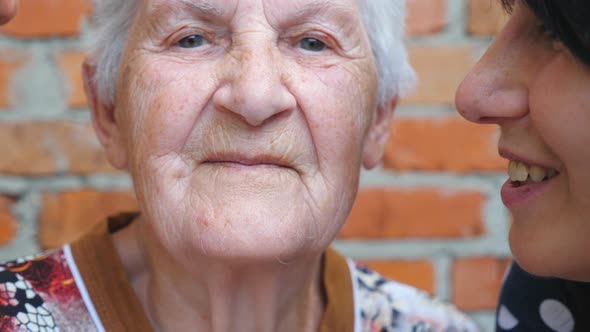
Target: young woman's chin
point(543, 256)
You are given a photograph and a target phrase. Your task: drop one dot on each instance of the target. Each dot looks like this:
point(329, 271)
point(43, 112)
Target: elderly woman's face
point(245, 123)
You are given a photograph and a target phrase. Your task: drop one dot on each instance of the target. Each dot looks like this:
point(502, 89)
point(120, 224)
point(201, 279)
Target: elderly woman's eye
point(312, 44)
point(191, 41)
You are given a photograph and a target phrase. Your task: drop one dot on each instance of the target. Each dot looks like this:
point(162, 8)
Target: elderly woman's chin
point(246, 233)
point(246, 220)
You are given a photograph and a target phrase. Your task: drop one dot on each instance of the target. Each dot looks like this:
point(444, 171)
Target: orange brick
point(415, 213)
point(66, 215)
point(440, 71)
point(10, 63)
point(8, 223)
point(44, 18)
point(485, 17)
point(477, 281)
point(419, 274)
point(70, 63)
point(41, 148)
point(443, 144)
point(425, 16)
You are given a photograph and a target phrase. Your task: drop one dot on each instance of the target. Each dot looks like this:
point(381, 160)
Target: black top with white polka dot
point(531, 303)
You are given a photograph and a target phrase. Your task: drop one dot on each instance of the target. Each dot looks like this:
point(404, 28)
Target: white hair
point(385, 24)
point(383, 19)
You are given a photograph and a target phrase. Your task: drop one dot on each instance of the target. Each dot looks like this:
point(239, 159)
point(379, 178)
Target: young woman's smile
point(538, 92)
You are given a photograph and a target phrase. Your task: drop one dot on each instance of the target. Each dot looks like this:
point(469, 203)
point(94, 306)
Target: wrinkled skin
point(190, 121)
point(8, 9)
point(244, 125)
point(539, 95)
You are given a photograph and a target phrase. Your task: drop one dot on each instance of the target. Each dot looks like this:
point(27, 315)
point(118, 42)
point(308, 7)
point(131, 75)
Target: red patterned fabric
point(40, 294)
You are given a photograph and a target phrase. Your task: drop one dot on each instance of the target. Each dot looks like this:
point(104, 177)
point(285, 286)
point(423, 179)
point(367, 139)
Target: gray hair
point(383, 19)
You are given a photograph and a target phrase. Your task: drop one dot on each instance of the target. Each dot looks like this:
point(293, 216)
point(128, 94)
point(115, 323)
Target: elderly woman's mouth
point(241, 161)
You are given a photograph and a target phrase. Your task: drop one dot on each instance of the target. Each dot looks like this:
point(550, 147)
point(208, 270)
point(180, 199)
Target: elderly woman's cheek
point(347, 92)
point(356, 86)
point(357, 80)
point(166, 98)
point(340, 122)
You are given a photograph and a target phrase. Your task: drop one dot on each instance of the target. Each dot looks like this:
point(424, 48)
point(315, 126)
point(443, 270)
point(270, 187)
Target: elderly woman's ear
point(104, 119)
point(378, 134)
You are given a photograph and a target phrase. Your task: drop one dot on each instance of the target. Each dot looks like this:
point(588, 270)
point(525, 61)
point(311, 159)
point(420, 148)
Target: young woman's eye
point(312, 44)
point(191, 41)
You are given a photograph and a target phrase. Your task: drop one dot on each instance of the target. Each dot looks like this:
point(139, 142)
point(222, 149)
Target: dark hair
point(568, 20)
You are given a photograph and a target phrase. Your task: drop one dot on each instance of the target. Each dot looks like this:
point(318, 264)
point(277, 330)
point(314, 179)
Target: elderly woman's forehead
point(344, 9)
point(213, 6)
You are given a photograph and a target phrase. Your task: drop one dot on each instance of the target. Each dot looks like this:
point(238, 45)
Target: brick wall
point(430, 216)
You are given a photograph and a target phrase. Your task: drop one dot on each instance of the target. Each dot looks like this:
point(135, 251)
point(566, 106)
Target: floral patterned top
point(83, 287)
point(387, 306)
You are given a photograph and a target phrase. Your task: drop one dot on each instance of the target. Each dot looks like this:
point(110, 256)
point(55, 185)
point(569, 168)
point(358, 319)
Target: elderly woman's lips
point(240, 161)
point(238, 164)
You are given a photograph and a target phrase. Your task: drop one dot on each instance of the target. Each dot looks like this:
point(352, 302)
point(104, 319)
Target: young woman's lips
point(515, 196)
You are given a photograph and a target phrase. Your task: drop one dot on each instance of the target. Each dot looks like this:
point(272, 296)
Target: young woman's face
point(539, 94)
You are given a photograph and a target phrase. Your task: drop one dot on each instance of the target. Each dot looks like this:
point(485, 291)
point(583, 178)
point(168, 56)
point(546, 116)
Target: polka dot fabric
point(531, 303)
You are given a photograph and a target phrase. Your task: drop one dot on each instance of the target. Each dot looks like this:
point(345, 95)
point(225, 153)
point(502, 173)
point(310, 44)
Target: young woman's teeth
point(521, 172)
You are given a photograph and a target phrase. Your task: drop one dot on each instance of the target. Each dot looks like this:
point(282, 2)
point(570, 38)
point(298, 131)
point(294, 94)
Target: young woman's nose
point(495, 90)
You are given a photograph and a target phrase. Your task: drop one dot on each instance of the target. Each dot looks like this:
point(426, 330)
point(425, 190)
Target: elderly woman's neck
point(213, 295)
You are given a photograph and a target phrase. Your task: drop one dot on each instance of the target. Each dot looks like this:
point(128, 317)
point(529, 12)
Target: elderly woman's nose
point(256, 88)
point(494, 91)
